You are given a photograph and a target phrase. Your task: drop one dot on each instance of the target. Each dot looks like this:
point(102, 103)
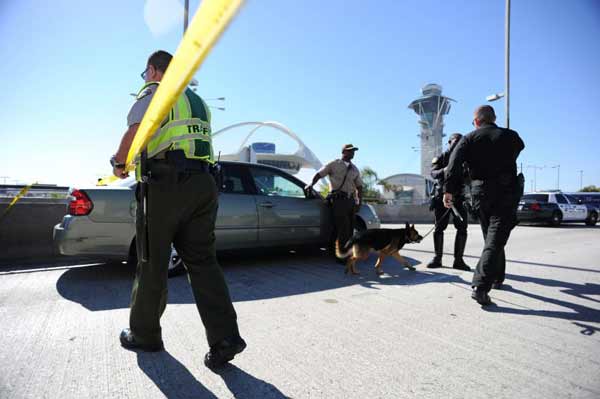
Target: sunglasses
point(145, 73)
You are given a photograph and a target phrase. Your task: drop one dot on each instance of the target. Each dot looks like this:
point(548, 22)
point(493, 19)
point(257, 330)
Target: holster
point(143, 184)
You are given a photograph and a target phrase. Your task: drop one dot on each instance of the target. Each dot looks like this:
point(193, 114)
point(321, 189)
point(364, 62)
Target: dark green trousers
point(343, 210)
point(182, 209)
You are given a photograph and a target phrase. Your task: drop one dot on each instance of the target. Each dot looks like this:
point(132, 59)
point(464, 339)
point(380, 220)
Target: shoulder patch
point(435, 160)
point(144, 93)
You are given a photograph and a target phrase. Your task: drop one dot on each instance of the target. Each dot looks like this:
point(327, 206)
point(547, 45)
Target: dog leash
point(435, 225)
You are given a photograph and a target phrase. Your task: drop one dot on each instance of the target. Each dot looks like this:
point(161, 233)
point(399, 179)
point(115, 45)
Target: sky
point(334, 72)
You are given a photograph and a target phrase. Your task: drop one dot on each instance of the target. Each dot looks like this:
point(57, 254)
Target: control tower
point(431, 108)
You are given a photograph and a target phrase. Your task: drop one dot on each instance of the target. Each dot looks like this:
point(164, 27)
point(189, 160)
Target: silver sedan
point(259, 206)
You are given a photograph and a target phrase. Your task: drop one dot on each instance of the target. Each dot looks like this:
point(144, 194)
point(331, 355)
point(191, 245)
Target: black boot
point(224, 351)
point(481, 296)
point(438, 246)
point(459, 249)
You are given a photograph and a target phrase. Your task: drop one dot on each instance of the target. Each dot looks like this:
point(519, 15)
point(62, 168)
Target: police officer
point(490, 153)
point(438, 165)
point(345, 191)
point(181, 209)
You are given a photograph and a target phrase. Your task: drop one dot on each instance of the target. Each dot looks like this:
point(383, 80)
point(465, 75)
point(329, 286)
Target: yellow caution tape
point(21, 193)
point(208, 24)
point(105, 181)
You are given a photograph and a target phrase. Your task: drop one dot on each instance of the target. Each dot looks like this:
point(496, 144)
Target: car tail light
point(80, 203)
point(536, 207)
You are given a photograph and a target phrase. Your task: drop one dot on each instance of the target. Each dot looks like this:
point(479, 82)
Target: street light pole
point(507, 62)
point(557, 167)
point(506, 93)
point(535, 168)
point(194, 82)
point(186, 13)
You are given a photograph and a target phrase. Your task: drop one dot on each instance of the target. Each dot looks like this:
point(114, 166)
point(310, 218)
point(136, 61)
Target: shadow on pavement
point(108, 286)
point(170, 376)
point(175, 381)
point(244, 386)
point(577, 313)
point(103, 287)
point(522, 262)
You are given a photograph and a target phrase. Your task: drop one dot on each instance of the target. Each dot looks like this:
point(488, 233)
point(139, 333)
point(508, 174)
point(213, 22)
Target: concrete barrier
point(26, 231)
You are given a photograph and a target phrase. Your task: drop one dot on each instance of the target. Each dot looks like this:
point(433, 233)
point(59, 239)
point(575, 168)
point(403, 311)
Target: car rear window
point(535, 198)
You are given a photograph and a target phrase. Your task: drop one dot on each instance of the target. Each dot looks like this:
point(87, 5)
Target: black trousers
point(343, 210)
point(442, 219)
point(496, 207)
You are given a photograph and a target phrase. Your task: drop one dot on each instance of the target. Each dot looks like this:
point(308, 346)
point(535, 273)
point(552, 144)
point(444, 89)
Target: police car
point(555, 208)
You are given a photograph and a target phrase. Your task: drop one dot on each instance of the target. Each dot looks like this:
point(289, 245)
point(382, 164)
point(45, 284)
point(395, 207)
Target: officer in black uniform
point(442, 215)
point(490, 153)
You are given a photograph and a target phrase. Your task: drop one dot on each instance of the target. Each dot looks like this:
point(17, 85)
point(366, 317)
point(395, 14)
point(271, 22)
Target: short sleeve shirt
point(138, 109)
point(336, 170)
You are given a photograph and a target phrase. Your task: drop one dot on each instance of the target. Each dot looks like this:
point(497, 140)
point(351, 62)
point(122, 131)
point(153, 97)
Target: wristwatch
point(115, 164)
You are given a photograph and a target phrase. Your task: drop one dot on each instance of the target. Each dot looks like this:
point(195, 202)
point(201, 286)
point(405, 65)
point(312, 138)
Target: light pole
point(186, 14)
point(506, 61)
point(580, 180)
point(557, 167)
point(534, 182)
point(506, 92)
point(194, 82)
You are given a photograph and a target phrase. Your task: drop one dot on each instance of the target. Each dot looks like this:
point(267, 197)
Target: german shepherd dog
point(387, 242)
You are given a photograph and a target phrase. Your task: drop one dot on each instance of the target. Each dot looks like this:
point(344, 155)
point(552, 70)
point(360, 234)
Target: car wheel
point(592, 219)
point(132, 256)
point(176, 266)
point(359, 225)
point(556, 219)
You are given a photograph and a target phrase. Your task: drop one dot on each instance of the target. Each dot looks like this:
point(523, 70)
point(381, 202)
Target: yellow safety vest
point(187, 128)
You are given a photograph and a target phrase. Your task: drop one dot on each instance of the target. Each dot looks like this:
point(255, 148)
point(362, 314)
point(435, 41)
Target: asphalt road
point(313, 332)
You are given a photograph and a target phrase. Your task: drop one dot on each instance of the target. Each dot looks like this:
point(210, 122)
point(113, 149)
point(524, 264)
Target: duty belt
point(340, 195)
point(177, 160)
point(503, 179)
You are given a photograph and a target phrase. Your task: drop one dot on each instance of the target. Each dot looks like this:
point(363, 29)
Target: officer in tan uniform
point(345, 191)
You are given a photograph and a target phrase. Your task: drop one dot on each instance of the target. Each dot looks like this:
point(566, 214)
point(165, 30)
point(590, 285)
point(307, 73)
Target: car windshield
point(535, 198)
